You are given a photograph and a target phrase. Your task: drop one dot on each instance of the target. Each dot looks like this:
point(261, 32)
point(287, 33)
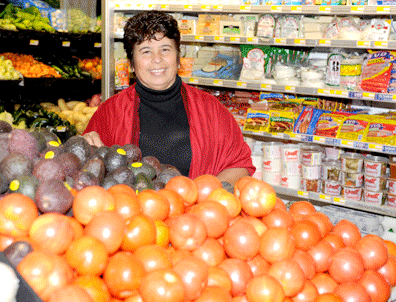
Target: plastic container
point(121, 67)
point(312, 155)
point(272, 165)
point(331, 187)
point(291, 153)
point(391, 201)
point(311, 172)
point(291, 168)
point(376, 197)
point(333, 153)
point(352, 162)
point(272, 178)
point(310, 185)
point(392, 186)
point(392, 169)
point(272, 150)
point(331, 170)
point(352, 193)
point(372, 183)
point(375, 166)
point(291, 181)
point(352, 178)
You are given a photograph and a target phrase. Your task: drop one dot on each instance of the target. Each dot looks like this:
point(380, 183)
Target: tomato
point(45, 273)
point(5, 241)
point(302, 207)
point(306, 234)
point(391, 246)
point(214, 215)
point(206, 184)
point(329, 298)
point(153, 204)
point(162, 233)
point(321, 254)
point(278, 218)
point(241, 183)
point(52, 233)
point(87, 255)
point(306, 262)
point(324, 283)
point(335, 240)
point(171, 285)
point(373, 250)
point(70, 293)
point(17, 213)
point(176, 202)
point(194, 274)
point(257, 198)
point(140, 231)
point(109, 228)
point(376, 286)
point(290, 276)
point(153, 257)
point(214, 294)
point(264, 288)
point(389, 270)
point(185, 187)
point(91, 200)
point(78, 230)
point(346, 265)
point(211, 251)
point(240, 274)
point(349, 232)
point(227, 199)
point(308, 294)
point(127, 206)
point(133, 298)
point(257, 223)
point(280, 204)
point(276, 244)
point(258, 265)
point(94, 286)
point(219, 277)
point(187, 231)
point(122, 189)
point(123, 274)
point(241, 241)
point(322, 221)
point(352, 292)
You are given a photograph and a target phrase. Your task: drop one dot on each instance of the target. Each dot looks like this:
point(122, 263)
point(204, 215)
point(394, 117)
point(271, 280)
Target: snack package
point(256, 120)
point(354, 127)
point(332, 30)
point(376, 72)
point(382, 131)
point(329, 123)
point(307, 120)
point(281, 121)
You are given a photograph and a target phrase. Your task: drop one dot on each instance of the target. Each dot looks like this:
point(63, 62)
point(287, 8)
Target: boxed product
point(186, 26)
point(208, 24)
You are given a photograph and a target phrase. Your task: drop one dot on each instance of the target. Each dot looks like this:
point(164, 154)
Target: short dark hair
point(144, 26)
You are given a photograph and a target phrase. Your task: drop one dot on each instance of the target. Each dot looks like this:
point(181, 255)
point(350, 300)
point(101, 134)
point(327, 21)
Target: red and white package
point(376, 72)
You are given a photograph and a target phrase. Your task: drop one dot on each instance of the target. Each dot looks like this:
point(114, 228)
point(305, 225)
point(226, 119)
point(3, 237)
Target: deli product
point(376, 72)
point(331, 187)
point(373, 183)
point(354, 126)
point(351, 178)
point(331, 170)
point(377, 198)
point(392, 165)
point(352, 193)
point(352, 162)
point(310, 185)
point(375, 165)
point(329, 123)
point(311, 155)
point(381, 131)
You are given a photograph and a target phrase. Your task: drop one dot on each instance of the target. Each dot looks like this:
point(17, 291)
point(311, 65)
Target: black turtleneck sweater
point(164, 129)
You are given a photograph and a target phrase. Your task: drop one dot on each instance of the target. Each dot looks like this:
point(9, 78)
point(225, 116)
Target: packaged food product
point(351, 178)
point(375, 165)
point(291, 168)
point(256, 120)
point(331, 187)
point(333, 153)
point(272, 164)
point(381, 131)
point(352, 162)
point(391, 201)
point(329, 123)
point(354, 127)
point(272, 150)
point(253, 65)
point(377, 30)
point(311, 155)
point(307, 120)
point(392, 170)
point(352, 193)
point(333, 69)
point(290, 153)
point(373, 183)
point(266, 26)
point(331, 170)
point(377, 198)
point(272, 178)
point(291, 181)
point(290, 27)
point(350, 71)
point(311, 172)
point(208, 24)
point(310, 185)
point(281, 121)
point(376, 72)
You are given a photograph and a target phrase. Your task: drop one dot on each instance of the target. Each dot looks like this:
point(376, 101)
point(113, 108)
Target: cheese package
point(187, 27)
point(329, 123)
point(208, 24)
point(231, 28)
point(290, 27)
point(354, 127)
point(312, 26)
point(382, 131)
point(266, 26)
point(256, 120)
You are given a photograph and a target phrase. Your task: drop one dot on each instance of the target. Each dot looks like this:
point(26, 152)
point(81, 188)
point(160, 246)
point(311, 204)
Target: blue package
point(230, 69)
point(307, 120)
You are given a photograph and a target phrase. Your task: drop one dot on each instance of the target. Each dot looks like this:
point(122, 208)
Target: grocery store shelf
point(261, 9)
point(324, 92)
point(328, 141)
point(336, 200)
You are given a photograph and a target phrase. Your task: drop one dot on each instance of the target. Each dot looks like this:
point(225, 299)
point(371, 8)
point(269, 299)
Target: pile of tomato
point(195, 241)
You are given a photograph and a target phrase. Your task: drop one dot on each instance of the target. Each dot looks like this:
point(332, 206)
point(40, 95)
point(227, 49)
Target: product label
point(353, 193)
point(332, 188)
point(374, 197)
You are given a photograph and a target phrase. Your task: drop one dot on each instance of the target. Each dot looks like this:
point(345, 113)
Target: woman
point(177, 123)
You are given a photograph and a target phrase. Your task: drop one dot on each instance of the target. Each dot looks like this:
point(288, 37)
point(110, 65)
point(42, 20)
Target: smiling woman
point(178, 124)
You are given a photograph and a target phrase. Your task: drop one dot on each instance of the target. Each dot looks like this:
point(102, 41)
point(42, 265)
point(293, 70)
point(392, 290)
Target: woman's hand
point(93, 139)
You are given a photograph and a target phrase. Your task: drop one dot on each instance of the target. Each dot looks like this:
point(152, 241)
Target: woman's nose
point(157, 57)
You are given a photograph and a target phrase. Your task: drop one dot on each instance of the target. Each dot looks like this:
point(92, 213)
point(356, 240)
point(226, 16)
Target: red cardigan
point(216, 139)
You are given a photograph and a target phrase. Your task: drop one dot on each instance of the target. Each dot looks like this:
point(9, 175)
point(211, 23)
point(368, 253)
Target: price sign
point(241, 84)
point(325, 9)
point(324, 42)
point(187, 7)
point(199, 38)
point(205, 7)
point(346, 143)
point(383, 9)
point(280, 41)
point(381, 44)
point(61, 128)
point(363, 44)
point(290, 88)
point(375, 147)
point(276, 8)
point(339, 200)
point(235, 39)
point(324, 197)
point(369, 95)
point(217, 7)
point(357, 8)
point(98, 45)
point(65, 43)
point(324, 91)
point(34, 42)
point(244, 8)
point(302, 193)
point(193, 80)
point(340, 93)
point(266, 86)
point(219, 38)
point(152, 6)
point(319, 139)
point(296, 136)
point(218, 82)
point(252, 40)
point(296, 8)
point(299, 41)
point(165, 6)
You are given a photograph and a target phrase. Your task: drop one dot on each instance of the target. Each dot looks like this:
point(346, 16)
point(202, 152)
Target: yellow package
point(281, 121)
point(381, 131)
point(256, 120)
point(208, 24)
point(353, 128)
point(329, 123)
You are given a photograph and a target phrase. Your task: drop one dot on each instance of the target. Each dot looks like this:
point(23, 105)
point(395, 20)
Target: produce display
point(7, 70)
point(105, 224)
point(69, 68)
point(93, 66)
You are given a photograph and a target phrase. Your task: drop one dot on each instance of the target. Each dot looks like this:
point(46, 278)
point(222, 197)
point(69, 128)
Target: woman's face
point(156, 63)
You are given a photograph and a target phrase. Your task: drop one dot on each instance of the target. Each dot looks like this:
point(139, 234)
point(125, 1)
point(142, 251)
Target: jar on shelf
point(376, 197)
point(352, 162)
point(312, 155)
point(352, 178)
point(375, 165)
point(331, 187)
point(311, 185)
point(352, 193)
point(376, 184)
point(331, 170)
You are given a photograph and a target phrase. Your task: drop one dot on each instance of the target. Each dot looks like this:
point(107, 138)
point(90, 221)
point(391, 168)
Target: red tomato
point(211, 251)
point(321, 254)
point(280, 204)
point(322, 221)
point(257, 198)
point(264, 288)
point(324, 283)
point(206, 184)
point(306, 262)
point(389, 270)
point(185, 187)
point(126, 205)
point(187, 231)
point(70, 293)
point(194, 274)
point(276, 244)
point(258, 265)
point(153, 204)
point(153, 257)
point(123, 274)
point(214, 294)
point(241, 241)
point(240, 274)
point(373, 250)
point(241, 183)
point(346, 265)
point(348, 231)
point(227, 199)
point(329, 298)
point(278, 218)
point(171, 285)
point(176, 202)
point(302, 207)
point(140, 231)
point(306, 234)
point(376, 286)
point(308, 294)
point(290, 276)
point(219, 277)
point(94, 286)
point(335, 240)
point(258, 225)
point(352, 292)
